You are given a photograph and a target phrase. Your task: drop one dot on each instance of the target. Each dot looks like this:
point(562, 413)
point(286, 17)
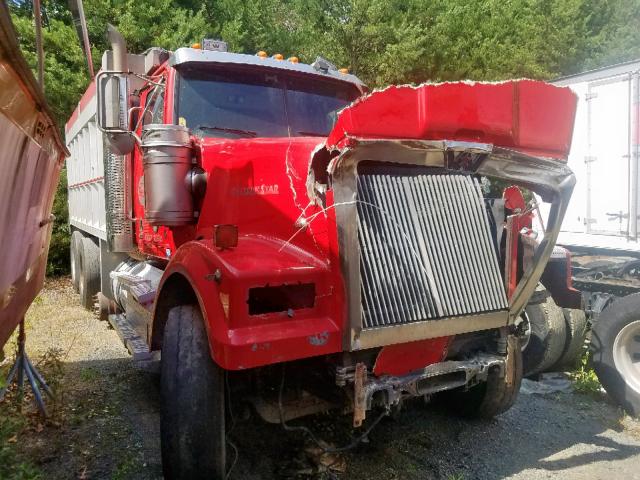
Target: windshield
point(241, 104)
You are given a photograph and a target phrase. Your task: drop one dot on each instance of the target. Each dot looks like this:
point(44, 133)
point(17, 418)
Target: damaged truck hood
point(515, 131)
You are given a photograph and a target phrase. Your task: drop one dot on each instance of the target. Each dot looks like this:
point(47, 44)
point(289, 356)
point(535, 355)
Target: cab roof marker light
point(196, 45)
point(344, 71)
point(293, 59)
point(262, 54)
point(278, 56)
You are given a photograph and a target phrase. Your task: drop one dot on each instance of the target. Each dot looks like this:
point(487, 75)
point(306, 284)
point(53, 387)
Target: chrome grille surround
point(550, 178)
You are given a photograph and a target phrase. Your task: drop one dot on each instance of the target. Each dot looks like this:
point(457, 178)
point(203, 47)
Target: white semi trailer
point(601, 225)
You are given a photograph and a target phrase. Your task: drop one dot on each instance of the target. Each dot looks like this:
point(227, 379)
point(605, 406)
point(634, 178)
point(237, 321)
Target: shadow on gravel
point(108, 428)
point(549, 434)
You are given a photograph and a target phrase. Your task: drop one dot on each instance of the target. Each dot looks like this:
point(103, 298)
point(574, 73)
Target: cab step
point(142, 357)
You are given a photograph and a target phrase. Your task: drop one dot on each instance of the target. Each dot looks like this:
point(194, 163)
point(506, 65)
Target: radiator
point(426, 247)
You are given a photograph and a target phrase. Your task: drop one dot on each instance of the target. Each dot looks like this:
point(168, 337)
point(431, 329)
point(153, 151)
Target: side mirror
point(113, 110)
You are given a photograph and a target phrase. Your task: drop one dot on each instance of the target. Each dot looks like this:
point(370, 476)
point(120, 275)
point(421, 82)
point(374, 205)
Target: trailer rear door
point(608, 187)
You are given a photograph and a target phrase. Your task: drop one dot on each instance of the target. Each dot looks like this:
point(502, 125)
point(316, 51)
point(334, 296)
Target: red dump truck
point(275, 234)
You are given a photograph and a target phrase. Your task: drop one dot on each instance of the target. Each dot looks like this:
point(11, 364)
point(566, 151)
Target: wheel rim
point(626, 354)
point(73, 268)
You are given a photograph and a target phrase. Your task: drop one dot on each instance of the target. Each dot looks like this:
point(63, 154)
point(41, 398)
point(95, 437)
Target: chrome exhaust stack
point(119, 48)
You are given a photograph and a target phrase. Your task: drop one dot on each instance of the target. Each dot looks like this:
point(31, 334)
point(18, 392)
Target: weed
point(455, 476)
point(585, 379)
point(52, 368)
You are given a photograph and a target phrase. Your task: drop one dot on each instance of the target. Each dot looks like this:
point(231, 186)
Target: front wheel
point(192, 415)
point(615, 348)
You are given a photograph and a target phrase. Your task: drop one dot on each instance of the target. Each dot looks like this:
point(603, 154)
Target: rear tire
point(75, 246)
point(576, 329)
point(547, 338)
point(192, 415)
point(89, 280)
point(615, 348)
point(496, 395)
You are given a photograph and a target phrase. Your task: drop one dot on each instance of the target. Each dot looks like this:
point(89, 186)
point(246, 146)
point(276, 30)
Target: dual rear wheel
point(554, 337)
point(85, 268)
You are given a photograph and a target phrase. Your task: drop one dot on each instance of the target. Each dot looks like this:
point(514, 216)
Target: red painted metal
point(240, 341)
point(507, 114)
point(86, 182)
point(404, 358)
point(521, 218)
point(88, 95)
point(513, 199)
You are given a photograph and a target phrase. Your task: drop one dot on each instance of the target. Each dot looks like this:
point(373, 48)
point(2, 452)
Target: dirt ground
point(105, 424)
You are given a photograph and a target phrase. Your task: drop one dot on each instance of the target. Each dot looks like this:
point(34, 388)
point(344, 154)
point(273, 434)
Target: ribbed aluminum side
point(426, 248)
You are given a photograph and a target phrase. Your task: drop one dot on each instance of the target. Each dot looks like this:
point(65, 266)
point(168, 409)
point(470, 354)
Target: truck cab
point(275, 236)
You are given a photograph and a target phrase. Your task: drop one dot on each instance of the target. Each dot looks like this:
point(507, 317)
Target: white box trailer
point(603, 212)
point(601, 227)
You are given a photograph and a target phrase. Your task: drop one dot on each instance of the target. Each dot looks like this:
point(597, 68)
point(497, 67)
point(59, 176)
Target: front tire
point(192, 415)
point(615, 348)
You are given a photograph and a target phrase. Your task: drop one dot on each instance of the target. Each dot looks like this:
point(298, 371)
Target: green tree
point(382, 41)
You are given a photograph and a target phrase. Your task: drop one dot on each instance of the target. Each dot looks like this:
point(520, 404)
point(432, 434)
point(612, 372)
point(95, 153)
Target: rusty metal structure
point(31, 158)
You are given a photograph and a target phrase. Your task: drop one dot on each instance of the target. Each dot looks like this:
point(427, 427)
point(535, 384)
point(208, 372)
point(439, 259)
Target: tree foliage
point(382, 41)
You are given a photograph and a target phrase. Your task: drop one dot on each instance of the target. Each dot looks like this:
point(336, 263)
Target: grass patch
point(16, 421)
point(584, 378)
point(125, 468)
point(89, 374)
point(12, 467)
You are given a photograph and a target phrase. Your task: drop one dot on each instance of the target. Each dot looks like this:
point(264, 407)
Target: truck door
point(608, 160)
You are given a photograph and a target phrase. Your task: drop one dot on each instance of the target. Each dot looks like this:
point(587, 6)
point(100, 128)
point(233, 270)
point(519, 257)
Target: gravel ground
point(105, 424)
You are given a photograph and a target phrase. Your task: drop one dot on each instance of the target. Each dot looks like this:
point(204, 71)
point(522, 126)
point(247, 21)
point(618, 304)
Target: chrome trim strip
point(409, 332)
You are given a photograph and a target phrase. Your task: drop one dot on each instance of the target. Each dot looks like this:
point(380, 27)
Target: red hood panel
point(520, 114)
point(260, 185)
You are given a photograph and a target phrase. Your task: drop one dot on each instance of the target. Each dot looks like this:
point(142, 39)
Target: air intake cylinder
point(168, 163)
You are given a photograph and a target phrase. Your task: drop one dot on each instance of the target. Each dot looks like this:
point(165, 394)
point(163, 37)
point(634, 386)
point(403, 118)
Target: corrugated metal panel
point(426, 249)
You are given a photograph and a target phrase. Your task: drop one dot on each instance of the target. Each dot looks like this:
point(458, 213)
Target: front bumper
point(432, 379)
